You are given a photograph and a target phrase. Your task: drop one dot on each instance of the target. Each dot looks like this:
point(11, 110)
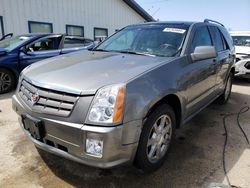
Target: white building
point(88, 18)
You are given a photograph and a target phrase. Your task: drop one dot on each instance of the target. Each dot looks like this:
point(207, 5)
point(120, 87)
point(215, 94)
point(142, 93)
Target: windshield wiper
point(100, 50)
point(136, 53)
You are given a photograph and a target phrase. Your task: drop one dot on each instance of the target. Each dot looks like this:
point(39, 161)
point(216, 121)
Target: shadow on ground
point(6, 96)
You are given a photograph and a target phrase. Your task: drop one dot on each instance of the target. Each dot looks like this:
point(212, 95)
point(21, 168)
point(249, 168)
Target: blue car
point(18, 52)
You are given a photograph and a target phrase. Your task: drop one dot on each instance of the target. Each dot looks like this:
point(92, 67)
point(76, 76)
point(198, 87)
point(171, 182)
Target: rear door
point(40, 49)
point(201, 75)
point(224, 57)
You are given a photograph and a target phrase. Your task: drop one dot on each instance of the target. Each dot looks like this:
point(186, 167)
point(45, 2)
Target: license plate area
point(34, 126)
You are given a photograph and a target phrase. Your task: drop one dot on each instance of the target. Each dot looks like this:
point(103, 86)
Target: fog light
point(94, 147)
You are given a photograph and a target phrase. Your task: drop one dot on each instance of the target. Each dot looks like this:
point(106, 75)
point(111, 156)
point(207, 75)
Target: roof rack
point(213, 21)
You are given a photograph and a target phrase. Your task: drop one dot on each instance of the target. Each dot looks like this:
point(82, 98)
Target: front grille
point(49, 101)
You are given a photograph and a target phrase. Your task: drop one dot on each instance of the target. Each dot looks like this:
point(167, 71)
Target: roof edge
point(137, 8)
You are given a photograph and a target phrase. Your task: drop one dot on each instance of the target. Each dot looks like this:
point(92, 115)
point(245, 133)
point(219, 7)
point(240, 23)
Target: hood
point(85, 72)
point(242, 50)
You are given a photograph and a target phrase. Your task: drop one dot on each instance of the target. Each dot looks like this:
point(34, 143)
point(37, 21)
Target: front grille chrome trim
point(50, 101)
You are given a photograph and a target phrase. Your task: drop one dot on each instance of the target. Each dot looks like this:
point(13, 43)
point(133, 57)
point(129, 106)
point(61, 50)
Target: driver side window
point(201, 38)
point(44, 44)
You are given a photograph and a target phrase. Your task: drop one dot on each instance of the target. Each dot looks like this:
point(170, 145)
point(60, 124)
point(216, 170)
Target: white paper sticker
point(174, 30)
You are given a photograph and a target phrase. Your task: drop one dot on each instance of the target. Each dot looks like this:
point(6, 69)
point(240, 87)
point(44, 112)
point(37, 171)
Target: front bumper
point(68, 139)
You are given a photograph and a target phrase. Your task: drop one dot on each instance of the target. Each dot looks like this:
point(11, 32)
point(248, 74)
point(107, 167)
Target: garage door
point(1, 27)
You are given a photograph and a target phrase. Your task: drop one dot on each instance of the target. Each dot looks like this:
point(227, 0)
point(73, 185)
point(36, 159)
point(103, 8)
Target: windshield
point(12, 43)
point(146, 40)
point(241, 40)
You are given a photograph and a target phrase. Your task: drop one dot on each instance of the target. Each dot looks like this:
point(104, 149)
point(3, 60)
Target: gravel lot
point(195, 160)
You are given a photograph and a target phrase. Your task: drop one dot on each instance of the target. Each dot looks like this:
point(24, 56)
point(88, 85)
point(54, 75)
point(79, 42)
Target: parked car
point(241, 41)
point(123, 101)
point(18, 52)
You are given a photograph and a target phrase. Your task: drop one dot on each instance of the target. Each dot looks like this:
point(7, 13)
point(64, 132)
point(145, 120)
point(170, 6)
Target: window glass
point(100, 34)
point(201, 38)
point(74, 42)
point(241, 40)
point(11, 43)
point(74, 30)
point(225, 44)
point(227, 37)
point(88, 42)
point(1, 27)
point(45, 44)
point(38, 27)
point(123, 42)
point(162, 40)
point(219, 43)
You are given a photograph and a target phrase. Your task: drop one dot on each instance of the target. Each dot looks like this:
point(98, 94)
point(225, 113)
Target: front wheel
point(227, 91)
point(7, 81)
point(155, 139)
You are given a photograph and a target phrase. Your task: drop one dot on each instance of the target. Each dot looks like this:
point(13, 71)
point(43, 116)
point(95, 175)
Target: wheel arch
point(172, 100)
point(15, 74)
point(232, 70)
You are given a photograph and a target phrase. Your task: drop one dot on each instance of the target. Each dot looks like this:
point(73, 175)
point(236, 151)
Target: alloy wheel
point(159, 138)
point(5, 81)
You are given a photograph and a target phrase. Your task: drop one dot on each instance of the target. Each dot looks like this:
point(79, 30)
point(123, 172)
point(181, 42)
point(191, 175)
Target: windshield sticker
point(174, 30)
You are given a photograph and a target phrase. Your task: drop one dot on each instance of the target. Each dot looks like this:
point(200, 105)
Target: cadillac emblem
point(34, 98)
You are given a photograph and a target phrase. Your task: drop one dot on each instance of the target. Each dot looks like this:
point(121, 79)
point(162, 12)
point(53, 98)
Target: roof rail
point(213, 21)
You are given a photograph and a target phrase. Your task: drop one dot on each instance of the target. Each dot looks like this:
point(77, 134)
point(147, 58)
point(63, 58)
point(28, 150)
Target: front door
point(41, 49)
point(201, 75)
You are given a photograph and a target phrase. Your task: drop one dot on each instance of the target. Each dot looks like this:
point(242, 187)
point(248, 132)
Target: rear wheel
point(7, 81)
point(227, 91)
point(155, 139)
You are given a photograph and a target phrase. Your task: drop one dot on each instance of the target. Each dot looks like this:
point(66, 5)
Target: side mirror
point(24, 50)
point(3, 51)
point(203, 52)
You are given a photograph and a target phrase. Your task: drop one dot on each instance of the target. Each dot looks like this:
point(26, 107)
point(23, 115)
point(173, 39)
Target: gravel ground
point(195, 159)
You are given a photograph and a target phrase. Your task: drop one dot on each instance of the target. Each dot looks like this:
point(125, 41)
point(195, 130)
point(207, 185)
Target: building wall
point(110, 14)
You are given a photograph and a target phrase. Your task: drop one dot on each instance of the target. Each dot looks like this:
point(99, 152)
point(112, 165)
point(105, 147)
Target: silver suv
point(122, 102)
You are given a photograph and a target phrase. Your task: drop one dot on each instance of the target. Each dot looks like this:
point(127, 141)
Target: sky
point(234, 14)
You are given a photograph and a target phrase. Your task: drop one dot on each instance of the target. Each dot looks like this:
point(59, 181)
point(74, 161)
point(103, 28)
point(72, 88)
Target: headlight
point(247, 65)
point(107, 106)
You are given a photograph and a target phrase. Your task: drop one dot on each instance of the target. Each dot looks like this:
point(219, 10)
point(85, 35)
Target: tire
point(155, 139)
point(7, 81)
point(227, 90)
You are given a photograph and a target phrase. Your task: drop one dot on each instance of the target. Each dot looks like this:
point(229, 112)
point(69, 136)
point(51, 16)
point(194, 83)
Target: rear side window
point(218, 40)
point(227, 37)
point(73, 43)
point(87, 42)
point(201, 38)
point(76, 42)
